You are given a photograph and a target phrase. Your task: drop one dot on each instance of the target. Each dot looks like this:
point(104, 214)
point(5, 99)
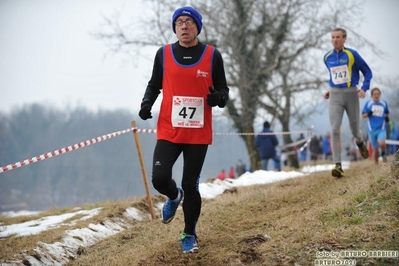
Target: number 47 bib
point(188, 112)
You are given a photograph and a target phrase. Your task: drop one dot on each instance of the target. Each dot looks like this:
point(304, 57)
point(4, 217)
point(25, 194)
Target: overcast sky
point(48, 56)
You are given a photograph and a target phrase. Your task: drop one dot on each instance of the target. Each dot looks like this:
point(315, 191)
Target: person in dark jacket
point(266, 142)
point(314, 148)
point(326, 146)
point(240, 168)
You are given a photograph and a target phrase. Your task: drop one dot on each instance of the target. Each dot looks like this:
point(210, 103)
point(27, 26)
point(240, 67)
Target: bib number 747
point(340, 74)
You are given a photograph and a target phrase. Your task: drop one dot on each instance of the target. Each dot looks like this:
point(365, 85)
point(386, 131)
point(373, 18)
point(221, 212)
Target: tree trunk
point(253, 153)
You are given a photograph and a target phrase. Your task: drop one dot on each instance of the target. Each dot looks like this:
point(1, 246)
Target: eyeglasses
point(189, 22)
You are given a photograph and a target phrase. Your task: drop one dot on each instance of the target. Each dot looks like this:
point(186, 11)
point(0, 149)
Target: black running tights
point(165, 155)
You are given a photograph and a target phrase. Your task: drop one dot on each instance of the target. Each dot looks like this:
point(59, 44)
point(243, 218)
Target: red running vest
point(185, 80)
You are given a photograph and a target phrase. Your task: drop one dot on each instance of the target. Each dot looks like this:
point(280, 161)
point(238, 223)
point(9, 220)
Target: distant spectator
point(222, 175)
point(302, 153)
point(314, 148)
point(283, 158)
point(326, 146)
point(277, 162)
point(266, 144)
point(231, 173)
point(320, 147)
point(240, 168)
point(392, 134)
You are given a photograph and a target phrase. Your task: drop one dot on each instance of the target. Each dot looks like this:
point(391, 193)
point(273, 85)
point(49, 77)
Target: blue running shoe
point(170, 207)
point(189, 243)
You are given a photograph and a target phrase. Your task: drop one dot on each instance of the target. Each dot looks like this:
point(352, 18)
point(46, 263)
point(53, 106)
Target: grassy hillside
point(284, 223)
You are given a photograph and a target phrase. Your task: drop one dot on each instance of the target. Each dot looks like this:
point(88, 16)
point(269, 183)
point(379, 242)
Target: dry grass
point(276, 224)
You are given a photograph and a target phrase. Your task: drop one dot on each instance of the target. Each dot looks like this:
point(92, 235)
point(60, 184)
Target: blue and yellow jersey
point(344, 67)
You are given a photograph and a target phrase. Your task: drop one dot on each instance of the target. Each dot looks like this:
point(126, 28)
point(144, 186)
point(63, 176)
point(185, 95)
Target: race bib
point(378, 110)
point(188, 112)
point(340, 74)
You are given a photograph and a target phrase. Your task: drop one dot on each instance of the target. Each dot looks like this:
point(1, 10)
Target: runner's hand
point(213, 98)
point(145, 111)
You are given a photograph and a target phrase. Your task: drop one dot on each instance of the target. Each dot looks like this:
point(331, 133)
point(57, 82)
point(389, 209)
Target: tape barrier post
point(147, 188)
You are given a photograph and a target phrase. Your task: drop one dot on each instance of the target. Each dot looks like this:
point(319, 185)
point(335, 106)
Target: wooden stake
point(147, 188)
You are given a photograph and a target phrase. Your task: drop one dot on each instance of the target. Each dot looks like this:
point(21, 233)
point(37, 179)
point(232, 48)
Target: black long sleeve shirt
point(186, 56)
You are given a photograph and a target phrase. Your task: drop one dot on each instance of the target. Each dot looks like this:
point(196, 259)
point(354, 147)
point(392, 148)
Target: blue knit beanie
point(187, 11)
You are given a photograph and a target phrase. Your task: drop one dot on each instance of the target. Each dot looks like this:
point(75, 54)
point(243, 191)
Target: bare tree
point(272, 50)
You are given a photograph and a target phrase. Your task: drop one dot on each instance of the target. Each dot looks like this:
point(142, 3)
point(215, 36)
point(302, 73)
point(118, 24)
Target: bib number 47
point(187, 111)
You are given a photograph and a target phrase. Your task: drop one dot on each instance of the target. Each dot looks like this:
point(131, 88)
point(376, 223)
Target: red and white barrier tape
point(105, 137)
point(71, 148)
point(259, 133)
point(306, 144)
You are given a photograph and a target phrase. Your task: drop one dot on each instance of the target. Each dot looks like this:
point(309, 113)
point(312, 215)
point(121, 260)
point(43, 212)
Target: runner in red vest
point(192, 79)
